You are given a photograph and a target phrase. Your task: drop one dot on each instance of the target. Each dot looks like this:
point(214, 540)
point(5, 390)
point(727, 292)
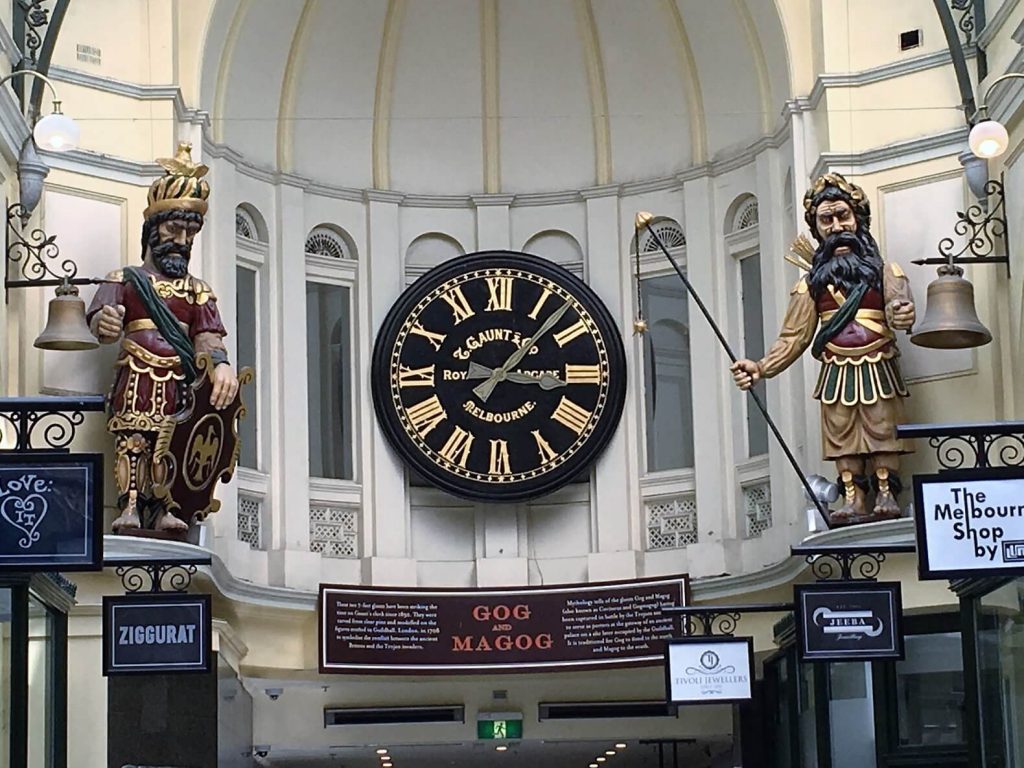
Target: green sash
point(164, 320)
point(843, 315)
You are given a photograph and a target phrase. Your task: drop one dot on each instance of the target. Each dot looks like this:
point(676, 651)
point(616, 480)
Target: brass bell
point(950, 320)
point(66, 328)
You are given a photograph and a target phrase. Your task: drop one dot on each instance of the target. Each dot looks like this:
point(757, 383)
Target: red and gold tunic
point(145, 391)
point(860, 386)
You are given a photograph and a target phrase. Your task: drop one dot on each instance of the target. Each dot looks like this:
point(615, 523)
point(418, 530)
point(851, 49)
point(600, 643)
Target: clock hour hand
point(477, 371)
point(483, 391)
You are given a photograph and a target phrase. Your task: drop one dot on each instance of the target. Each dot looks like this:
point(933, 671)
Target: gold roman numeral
point(539, 305)
point(582, 374)
point(499, 458)
point(426, 415)
point(416, 377)
point(500, 290)
point(571, 415)
point(456, 450)
point(457, 301)
point(576, 329)
point(546, 452)
point(435, 339)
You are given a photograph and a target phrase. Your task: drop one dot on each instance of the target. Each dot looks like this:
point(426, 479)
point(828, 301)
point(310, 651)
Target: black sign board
point(51, 511)
point(849, 621)
point(156, 634)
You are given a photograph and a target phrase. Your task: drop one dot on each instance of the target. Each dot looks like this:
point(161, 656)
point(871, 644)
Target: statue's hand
point(745, 373)
point(108, 323)
point(901, 314)
point(225, 386)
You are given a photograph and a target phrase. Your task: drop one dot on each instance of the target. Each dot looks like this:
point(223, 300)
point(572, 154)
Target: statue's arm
point(208, 334)
point(105, 315)
point(900, 312)
point(798, 328)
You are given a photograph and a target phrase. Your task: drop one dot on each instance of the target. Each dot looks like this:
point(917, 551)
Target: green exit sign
point(499, 726)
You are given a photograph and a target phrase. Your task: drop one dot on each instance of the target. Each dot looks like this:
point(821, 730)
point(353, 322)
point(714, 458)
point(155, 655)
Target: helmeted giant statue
point(165, 320)
point(847, 309)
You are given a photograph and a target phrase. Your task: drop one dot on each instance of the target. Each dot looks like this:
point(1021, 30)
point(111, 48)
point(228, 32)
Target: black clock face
point(498, 376)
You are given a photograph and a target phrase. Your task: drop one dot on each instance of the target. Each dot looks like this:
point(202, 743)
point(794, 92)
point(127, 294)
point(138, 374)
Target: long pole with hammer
point(643, 220)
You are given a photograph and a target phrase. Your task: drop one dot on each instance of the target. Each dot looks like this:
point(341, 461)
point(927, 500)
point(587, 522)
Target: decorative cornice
point(995, 24)
point(9, 48)
point(111, 85)
point(482, 201)
point(882, 72)
point(13, 128)
point(383, 196)
point(895, 155)
point(435, 201)
point(785, 571)
point(103, 166)
point(607, 190)
point(703, 590)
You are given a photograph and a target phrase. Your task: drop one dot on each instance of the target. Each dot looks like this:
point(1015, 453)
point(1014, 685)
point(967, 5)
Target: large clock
point(498, 376)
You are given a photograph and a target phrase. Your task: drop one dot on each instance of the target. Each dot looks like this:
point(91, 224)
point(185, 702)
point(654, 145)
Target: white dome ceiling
point(471, 96)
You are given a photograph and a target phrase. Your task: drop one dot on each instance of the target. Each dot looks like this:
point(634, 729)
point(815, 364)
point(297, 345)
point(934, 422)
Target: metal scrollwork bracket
point(35, 256)
point(44, 423)
point(971, 446)
point(982, 232)
point(848, 563)
point(719, 620)
point(153, 576)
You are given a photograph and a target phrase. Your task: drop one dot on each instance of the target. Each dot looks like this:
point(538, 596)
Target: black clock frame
point(522, 490)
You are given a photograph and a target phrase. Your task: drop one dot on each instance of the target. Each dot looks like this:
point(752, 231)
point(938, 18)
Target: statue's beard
point(171, 258)
point(861, 263)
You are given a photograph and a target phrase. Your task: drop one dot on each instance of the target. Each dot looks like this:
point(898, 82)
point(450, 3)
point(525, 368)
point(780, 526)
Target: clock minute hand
point(483, 391)
point(545, 380)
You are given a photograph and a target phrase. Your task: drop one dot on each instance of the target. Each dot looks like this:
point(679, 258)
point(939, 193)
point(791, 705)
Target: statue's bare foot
point(168, 522)
point(129, 518)
point(886, 506)
point(853, 502)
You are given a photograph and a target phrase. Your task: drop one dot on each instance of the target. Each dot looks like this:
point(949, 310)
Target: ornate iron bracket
point(36, 257)
point(152, 576)
point(52, 420)
point(854, 562)
point(719, 620)
point(966, 21)
point(970, 446)
point(981, 232)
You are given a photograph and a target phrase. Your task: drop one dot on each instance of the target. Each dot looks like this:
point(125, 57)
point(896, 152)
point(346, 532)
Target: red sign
point(366, 629)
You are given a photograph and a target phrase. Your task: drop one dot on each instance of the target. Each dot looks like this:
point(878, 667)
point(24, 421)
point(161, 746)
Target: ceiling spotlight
point(384, 755)
point(610, 752)
point(386, 765)
point(600, 759)
point(382, 751)
point(620, 745)
point(501, 748)
point(593, 765)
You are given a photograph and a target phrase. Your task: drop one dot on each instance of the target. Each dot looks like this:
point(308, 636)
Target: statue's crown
point(182, 188)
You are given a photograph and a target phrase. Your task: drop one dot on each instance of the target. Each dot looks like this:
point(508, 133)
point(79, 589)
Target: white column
point(615, 497)
point(385, 503)
point(714, 465)
point(497, 524)
point(784, 393)
point(493, 227)
point(290, 562)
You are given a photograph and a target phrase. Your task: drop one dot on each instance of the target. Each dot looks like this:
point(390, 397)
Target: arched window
point(249, 224)
point(742, 233)
point(331, 277)
point(558, 246)
point(669, 232)
point(324, 241)
point(428, 250)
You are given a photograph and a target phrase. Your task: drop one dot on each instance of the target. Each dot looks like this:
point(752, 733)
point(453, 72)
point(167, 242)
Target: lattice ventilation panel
point(757, 501)
point(334, 531)
point(672, 523)
point(250, 514)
